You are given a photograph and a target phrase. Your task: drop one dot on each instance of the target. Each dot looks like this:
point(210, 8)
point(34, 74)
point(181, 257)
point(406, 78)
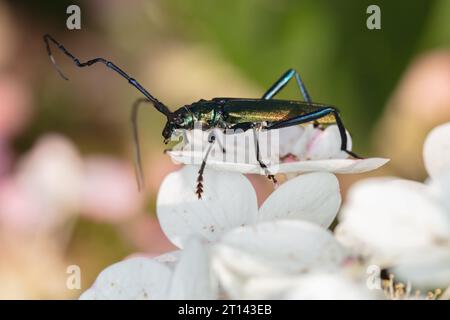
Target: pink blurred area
point(420, 102)
point(64, 199)
point(109, 191)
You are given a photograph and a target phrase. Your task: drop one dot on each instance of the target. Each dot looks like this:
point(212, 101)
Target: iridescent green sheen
point(227, 112)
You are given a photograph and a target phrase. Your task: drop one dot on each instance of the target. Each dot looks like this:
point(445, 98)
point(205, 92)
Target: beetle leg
point(199, 188)
point(220, 144)
point(281, 83)
point(258, 158)
point(244, 126)
point(315, 116)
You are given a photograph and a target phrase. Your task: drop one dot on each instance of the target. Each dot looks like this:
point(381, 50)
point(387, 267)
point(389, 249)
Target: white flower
point(229, 201)
point(174, 275)
point(283, 237)
point(313, 150)
point(428, 268)
point(436, 150)
point(392, 217)
point(404, 224)
point(226, 241)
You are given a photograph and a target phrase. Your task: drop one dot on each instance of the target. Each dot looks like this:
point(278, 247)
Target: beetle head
point(168, 131)
point(180, 119)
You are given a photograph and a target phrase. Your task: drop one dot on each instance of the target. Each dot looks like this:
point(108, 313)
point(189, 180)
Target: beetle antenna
point(137, 148)
point(48, 38)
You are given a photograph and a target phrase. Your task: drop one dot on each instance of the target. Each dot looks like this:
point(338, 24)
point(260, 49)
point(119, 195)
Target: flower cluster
point(404, 225)
point(230, 248)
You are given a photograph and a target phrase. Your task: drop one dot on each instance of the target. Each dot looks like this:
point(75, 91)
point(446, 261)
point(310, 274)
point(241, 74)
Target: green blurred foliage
point(341, 61)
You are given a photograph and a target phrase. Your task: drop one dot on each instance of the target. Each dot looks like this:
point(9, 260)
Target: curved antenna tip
point(52, 59)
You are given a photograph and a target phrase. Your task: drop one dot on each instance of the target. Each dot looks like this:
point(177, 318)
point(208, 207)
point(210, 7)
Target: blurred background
point(67, 187)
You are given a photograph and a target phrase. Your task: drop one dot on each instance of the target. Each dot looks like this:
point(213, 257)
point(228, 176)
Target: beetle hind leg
point(343, 134)
point(352, 154)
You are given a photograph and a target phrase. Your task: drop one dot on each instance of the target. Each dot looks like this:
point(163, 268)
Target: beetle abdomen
point(258, 110)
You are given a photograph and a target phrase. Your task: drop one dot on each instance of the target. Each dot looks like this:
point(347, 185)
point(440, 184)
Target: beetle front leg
point(199, 188)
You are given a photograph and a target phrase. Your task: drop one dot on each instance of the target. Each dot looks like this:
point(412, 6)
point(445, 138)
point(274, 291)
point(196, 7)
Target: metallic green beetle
point(227, 114)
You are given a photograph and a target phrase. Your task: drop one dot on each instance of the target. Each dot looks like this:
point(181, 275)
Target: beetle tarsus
point(352, 154)
point(274, 180)
point(199, 188)
point(268, 174)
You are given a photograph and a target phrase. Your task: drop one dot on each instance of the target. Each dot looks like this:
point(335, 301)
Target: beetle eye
point(178, 121)
point(167, 132)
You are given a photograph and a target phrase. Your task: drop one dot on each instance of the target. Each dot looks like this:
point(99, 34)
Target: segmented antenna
point(148, 97)
point(158, 104)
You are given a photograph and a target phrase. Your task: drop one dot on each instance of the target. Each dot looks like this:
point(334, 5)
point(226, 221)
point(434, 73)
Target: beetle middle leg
point(258, 157)
point(250, 125)
point(283, 81)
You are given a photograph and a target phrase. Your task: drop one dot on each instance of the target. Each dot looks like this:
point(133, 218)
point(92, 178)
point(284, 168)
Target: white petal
point(267, 287)
point(273, 248)
point(439, 188)
point(311, 286)
point(329, 287)
point(436, 150)
point(291, 246)
point(239, 148)
point(218, 164)
point(340, 166)
point(192, 277)
point(326, 144)
point(427, 269)
point(135, 278)
point(289, 137)
point(312, 197)
point(300, 146)
point(229, 200)
point(389, 217)
point(316, 149)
